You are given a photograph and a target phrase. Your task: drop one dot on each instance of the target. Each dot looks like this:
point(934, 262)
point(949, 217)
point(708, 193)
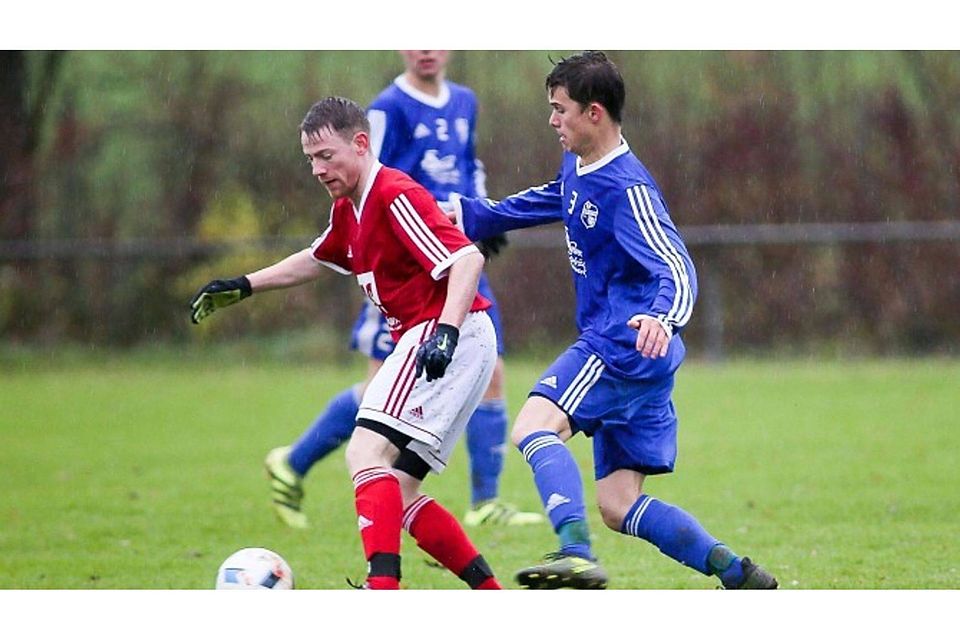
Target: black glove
point(217, 294)
point(435, 354)
point(493, 245)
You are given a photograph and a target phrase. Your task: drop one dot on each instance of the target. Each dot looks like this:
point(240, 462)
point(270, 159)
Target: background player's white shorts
point(436, 413)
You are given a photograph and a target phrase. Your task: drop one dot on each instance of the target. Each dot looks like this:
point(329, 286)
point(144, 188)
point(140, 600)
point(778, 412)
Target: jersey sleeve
point(388, 131)
point(476, 172)
point(644, 230)
point(433, 241)
point(330, 248)
point(481, 218)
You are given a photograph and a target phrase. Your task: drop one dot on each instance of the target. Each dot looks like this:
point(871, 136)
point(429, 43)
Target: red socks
point(438, 533)
point(379, 511)
point(380, 515)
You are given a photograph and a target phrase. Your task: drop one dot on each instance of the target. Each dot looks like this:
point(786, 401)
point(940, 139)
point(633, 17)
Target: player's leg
point(486, 442)
point(287, 466)
point(676, 533)
point(431, 416)
point(643, 438)
point(435, 529)
point(540, 431)
point(370, 454)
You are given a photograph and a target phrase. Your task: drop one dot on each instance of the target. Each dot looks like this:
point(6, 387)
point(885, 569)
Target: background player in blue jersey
point(423, 125)
point(635, 288)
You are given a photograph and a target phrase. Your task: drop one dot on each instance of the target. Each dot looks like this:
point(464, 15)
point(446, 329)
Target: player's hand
point(217, 294)
point(493, 245)
point(653, 335)
point(435, 354)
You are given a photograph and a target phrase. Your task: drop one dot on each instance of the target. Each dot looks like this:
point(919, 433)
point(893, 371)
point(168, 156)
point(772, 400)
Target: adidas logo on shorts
point(417, 412)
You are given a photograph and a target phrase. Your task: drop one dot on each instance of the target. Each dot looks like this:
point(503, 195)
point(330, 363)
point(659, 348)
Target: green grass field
point(146, 473)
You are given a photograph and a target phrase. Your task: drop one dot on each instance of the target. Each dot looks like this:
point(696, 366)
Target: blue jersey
point(429, 138)
point(625, 253)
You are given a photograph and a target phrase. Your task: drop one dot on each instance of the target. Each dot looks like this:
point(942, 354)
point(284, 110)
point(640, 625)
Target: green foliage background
point(164, 145)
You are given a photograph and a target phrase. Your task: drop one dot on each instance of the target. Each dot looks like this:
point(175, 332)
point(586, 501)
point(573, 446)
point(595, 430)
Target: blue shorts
point(632, 422)
point(371, 337)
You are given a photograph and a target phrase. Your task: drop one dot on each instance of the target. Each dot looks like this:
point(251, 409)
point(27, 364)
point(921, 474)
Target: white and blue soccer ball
point(255, 568)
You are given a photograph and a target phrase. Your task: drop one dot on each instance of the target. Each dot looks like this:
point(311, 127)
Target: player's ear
point(361, 142)
point(595, 112)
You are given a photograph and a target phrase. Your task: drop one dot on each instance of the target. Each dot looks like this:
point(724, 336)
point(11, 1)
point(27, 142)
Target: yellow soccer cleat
point(559, 571)
point(286, 488)
point(494, 513)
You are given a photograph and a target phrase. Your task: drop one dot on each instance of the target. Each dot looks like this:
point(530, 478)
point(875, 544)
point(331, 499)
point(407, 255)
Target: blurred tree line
point(113, 146)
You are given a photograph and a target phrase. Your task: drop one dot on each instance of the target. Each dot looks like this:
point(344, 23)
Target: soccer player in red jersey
point(422, 273)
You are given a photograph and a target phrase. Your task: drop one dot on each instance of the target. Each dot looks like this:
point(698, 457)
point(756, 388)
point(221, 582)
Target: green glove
point(217, 294)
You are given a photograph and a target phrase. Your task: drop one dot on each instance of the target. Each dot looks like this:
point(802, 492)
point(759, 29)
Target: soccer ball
point(255, 568)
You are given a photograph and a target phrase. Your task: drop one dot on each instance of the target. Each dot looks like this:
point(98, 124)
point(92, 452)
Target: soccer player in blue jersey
point(635, 288)
point(423, 125)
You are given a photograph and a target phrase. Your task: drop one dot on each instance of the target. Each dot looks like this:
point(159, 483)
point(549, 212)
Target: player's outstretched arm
point(216, 294)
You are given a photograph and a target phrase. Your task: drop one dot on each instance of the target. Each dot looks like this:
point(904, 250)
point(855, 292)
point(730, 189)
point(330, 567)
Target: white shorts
point(435, 413)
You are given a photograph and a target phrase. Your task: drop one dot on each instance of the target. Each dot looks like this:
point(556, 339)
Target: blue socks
point(557, 477)
point(727, 565)
point(486, 434)
point(331, 429)
point(678, 535)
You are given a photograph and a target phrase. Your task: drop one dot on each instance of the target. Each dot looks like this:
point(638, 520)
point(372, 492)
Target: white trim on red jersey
point(318, 241)
point(424, 238)
point(440, 271)
point(371, 178)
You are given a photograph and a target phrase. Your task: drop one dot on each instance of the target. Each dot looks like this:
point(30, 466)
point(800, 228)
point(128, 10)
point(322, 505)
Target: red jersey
point(399, 245)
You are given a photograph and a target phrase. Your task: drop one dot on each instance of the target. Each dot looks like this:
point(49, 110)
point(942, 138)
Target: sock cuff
point(355, 393)
point(365, 477)
point(411, 512)
point(537, 441)
point(631, 522)
point(494, 405)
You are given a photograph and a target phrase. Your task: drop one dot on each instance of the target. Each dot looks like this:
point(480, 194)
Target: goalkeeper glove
point(216, 295)
point(435, 354)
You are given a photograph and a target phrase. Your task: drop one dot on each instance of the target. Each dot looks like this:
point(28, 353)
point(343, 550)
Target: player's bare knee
point(517, 434)
point(540, 414)
point(611, 513)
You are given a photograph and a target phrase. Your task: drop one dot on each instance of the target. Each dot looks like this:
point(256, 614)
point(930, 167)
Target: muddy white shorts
point(435, 413)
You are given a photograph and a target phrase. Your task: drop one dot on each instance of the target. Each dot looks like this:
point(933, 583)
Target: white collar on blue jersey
point(377, 165)
point(605, 160)
point(437, 102)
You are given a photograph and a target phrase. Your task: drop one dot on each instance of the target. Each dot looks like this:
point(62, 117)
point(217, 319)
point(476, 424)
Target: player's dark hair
point(343, 115)
point(590, 77)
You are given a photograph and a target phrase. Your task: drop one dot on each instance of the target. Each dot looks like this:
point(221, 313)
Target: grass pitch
point(146, 474)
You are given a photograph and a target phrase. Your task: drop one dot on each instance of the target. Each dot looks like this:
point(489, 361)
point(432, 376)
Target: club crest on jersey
point(442, 170)
point(588, 214)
